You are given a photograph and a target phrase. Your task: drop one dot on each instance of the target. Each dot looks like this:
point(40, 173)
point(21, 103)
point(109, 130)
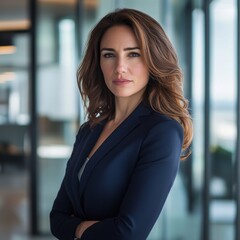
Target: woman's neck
point(123, 108)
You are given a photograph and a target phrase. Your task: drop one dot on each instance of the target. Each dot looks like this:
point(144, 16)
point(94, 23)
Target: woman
point(126, 155)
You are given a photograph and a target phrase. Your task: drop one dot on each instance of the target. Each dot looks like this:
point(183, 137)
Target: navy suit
point(126, 181)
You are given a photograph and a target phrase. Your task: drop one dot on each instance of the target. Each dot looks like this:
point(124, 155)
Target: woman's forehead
point(119, 35)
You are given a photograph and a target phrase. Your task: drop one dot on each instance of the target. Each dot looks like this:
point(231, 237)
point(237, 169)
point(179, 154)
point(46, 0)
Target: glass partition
point(223, 81)
point(14, 134)
point(14, 80)
point(57, 98)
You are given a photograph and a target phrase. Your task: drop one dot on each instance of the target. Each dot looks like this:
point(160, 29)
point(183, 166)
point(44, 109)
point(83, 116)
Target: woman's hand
point(82, 227)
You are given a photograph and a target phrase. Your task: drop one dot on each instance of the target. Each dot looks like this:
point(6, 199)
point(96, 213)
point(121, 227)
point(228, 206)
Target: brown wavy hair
point(164, 92)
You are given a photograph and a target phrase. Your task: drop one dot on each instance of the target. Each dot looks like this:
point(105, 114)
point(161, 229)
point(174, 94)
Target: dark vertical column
point(33, 126)
point(237, 161)
point(207, 163)
point(78, 32)
point(189, 61)
point(78, 26)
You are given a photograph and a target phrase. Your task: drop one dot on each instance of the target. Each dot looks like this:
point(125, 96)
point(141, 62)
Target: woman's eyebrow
point(108, 49)
point(125, 49)
point(131, 48)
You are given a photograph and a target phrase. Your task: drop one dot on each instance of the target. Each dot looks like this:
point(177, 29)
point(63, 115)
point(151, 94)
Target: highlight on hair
point(164, 92)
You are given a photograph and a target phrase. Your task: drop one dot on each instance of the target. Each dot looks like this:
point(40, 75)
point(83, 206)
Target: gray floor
point(14, 207)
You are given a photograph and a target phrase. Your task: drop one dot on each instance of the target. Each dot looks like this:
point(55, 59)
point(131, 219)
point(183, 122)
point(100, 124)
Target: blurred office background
point(41, 46)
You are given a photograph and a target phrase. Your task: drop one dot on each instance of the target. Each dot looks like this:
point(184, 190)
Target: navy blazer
point(126, 181)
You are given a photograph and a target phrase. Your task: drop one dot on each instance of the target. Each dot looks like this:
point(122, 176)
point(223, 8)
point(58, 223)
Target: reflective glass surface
point(14, 135)
point(57, 98)
point(223, 117)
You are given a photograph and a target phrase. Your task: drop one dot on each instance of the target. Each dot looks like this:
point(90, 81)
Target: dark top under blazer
point(126, 181)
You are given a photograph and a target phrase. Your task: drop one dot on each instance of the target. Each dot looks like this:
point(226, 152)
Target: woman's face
point(122, 64)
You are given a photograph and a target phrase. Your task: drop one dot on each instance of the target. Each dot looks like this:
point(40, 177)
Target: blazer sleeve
point(63, 223)
point(149, 186)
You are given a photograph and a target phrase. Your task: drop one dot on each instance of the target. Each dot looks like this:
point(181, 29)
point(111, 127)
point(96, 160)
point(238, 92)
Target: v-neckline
point(108, 136)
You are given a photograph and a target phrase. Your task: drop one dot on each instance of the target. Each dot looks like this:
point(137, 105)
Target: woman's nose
point(120, 66)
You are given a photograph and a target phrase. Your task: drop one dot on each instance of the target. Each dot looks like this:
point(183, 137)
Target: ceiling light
point(68, 2)
point(14, 25)
point(7, 49)
point(7, 76)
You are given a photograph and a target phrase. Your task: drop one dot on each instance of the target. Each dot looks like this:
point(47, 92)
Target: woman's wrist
point(79, 231)
point(82, 227)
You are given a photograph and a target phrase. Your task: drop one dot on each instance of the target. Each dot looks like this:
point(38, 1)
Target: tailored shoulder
point(160, 117)
point(161, 121)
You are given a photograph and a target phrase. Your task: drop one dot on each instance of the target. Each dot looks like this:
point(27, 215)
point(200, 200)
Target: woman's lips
point(121, 81)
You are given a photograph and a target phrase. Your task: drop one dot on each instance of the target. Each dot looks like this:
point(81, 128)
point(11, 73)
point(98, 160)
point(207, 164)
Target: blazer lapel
point(113, 140)
point(84, 149)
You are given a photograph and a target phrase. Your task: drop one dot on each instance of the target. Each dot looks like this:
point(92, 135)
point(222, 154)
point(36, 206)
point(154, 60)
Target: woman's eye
point(108, 55)
point(134, 54)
